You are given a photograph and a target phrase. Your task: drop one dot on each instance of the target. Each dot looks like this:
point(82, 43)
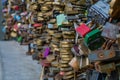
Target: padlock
point(74, 12)
point(83, 30)
point(52, 45)
point(65, 56)
point(55, 63)
point(45, 8)
point(97, 9)
point(66, 24)
point(64, 42)
point(66, 69)
point(65, 53)
point(67, 59)
point(94, 40)
point(69, 73)
point(64, 65)
point(39, 14)
point(114, 9)
point(64, 62)
point(60, 19)
point(110, 31)
point(81, 76)
point(72, 17)
point(51, 58)
point(118, 38)
point(13, 33)
point(68, 77)
point(55, 40)
point(57, 35)
point(106, 67)
point(68, 37)
point(101, 55)
point(52, 21)
point(55, 49)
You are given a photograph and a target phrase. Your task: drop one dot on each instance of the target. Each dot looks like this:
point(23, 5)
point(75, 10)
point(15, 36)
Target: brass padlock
point(40, 14)
point(64, 62)
point(55, 49)
point(66, 53)
point(66, 69)
point(64, 42)
point(115, 9)
point(55, 63)
point(57, 35)
point(118, 38)
point(48, 3)
point(52, 21)
point(105, 68)
point(66, 59)
point(45, 8)
point(55, 39)
point(40, 1)
point(66, 46)
point(68, 77)
point(65, 56)
point(64, 65)
point(40, 19)
point(65, 50)
point(69, 73)
point(69, 37)
point(53, 45)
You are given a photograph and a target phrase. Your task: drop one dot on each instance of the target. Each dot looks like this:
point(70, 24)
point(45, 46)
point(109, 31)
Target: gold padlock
point(41, 1)
point(69, 73)
point(64, 65)
point(105, 68)
point(67, 24)
point(66, 69)
point(44, 8)
point(57, 35)
point(65, 50)
point(66, 46)
point(68, 77)
point(66, 59)
point(64, 42)
point(40, 19)
point(65, 55)
point(118, 38)
point(64, 62)
point(53, 45)
point(48, 3)
point(69, 37)
point(52, 21)
point(40, 14)
point(54, 49)
point(55, 63)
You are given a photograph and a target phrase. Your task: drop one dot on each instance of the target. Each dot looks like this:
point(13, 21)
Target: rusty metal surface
point(101, 55)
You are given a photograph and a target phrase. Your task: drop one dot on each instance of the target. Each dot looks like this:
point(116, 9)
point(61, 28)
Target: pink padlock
point(83, 29)
point(16, 27)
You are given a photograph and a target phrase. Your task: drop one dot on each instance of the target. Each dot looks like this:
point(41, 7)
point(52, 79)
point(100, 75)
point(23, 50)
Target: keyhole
point(101, 55)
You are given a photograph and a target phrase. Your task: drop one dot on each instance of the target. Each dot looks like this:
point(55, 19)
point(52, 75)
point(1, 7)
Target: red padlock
point(37, 25)
point(83, 29)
